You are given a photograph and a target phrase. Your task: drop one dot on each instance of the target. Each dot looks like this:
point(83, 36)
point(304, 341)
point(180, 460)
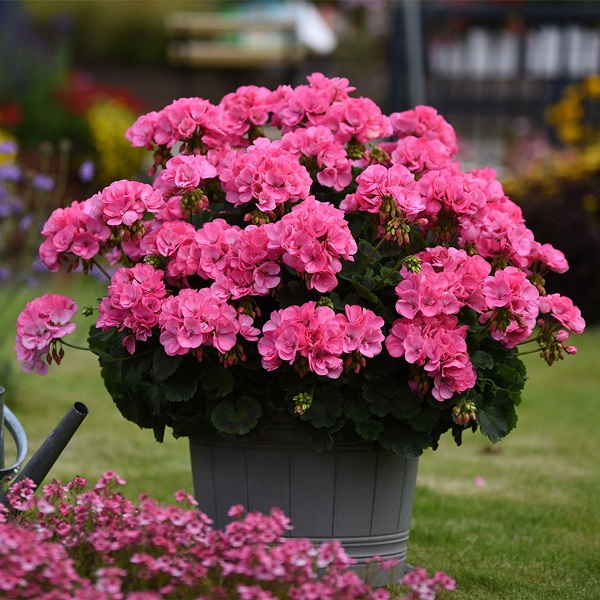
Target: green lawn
point(531, 532)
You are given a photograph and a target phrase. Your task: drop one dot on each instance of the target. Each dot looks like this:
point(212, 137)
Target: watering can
point(41, 462)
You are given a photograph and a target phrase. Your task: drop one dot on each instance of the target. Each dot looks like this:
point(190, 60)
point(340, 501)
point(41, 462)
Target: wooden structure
point(233, 41)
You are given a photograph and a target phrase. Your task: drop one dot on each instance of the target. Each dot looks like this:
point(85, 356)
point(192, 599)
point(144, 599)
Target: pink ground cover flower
point(44, 321)
point(95, 544)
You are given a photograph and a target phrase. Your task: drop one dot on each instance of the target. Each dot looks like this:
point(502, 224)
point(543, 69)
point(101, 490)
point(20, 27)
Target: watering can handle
point(14, 427)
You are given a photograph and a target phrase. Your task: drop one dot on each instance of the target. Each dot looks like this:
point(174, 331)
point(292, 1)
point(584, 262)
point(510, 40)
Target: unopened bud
point(413, 264)
point(302, 402)
point(87, 311)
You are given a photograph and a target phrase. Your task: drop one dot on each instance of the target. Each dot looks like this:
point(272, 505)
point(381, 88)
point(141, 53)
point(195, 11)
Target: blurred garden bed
point(559, 192)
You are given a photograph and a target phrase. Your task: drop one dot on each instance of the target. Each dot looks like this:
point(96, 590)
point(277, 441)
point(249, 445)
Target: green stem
point(101, 269)
point(395, 269)
point(74, 346)
point(531, 351)
point(375, 250)
point(529, 341)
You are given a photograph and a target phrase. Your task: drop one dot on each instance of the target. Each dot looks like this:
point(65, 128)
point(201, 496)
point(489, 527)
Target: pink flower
point(512, 301)
point(134, 302)
point(72, 234)
point(186, 173)
point(362, 331)
point(437, 345)
point(196, 318)
point(125, 202)
point(266, 175)
point(563, 310)
point(43, 321)
point(312, 239)
point(424, 121)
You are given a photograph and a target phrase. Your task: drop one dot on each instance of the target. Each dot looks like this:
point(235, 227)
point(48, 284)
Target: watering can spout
point(42, 461)
point(47, 454)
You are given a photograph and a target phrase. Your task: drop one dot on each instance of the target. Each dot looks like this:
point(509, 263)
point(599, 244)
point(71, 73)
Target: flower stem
point(101, 269)
point(74, 346)
point(374, 251)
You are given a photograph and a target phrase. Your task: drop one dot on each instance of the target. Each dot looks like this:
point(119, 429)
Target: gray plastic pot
point(360, 497)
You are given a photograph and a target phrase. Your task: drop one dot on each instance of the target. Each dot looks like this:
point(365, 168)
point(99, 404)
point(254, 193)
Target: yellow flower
point(116, 158)
point(7, 157)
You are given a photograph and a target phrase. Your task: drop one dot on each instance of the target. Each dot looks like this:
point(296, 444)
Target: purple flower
point(42, 182)
point(8, 147)
point(10, 173)
point(86, 171)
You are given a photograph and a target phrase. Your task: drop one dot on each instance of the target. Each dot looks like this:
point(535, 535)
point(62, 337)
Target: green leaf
point(180, 389)
point(406, 405)
point(356, 410)
point(325, 409)
point(374, 389)
point(407, 442)
point(369, 430)
point(482, 360)
point(217, 382)
point(381, 394)
point(496, 417)
point(163, 365)
point(320, 440)
point(293, 293)
point(426, 419)
point(364, 292)
point(238, 418)
point(367, 249)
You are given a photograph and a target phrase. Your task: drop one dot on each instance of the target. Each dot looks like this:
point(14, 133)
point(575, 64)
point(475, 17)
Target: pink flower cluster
point(512, 300)
point(320, 144)
point(312, 238)
point(196, 318)
point(437, 345)
point(72, 234)
point(267, 175)
point(180, 120)
point(134, 302)
point(125, 202)
point(187, 172)
point(316, 338)
point(377, 182)
point(44, 321)
point(422, 586)
point(81, 544)
point(424, 122)
point(428, 334)
point(339, 198)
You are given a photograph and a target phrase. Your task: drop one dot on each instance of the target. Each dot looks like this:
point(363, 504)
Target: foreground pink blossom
point(77, 543)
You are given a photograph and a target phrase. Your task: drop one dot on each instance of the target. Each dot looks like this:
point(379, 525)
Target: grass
point(531, 532)
point(105, 440)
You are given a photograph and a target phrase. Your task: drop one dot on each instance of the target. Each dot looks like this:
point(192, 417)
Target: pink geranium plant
point(73, 542)
point(298, 251)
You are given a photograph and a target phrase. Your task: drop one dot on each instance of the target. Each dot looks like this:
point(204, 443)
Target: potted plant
point(307, 285)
